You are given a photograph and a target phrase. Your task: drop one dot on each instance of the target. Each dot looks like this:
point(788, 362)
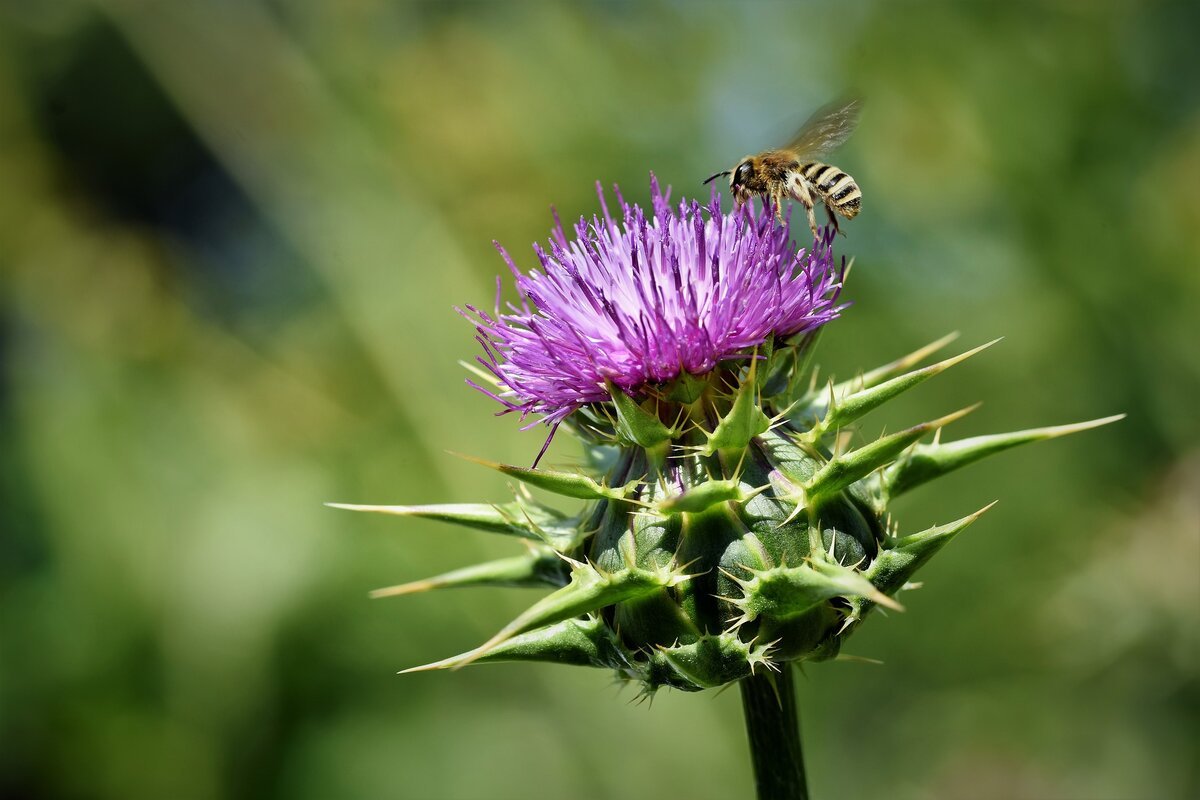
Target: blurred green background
point(231, 238)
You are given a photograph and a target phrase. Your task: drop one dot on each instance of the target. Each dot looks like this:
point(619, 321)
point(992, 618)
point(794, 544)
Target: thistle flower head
point(734, 519)
point(647, 299)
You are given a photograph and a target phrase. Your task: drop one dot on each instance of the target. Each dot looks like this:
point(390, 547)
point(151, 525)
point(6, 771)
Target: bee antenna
point(712, 178)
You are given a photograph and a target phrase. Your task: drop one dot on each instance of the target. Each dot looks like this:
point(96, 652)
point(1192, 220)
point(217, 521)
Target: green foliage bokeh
point(231, 239)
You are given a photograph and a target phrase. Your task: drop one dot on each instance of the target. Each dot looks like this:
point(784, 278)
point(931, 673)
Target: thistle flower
point(648, 301)
point(727, 527)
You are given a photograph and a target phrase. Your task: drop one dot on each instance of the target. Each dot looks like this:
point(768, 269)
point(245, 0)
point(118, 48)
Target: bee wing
point(827, 128)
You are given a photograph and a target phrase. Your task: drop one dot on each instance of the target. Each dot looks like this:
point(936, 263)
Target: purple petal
point(640, 300)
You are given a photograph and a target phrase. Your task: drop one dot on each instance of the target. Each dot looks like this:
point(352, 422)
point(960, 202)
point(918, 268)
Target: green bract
point(728, 527)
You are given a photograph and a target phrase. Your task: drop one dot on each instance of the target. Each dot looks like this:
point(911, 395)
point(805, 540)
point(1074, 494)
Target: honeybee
point(793, 169)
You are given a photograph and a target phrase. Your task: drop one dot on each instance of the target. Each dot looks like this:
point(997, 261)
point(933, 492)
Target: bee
point(794, 171)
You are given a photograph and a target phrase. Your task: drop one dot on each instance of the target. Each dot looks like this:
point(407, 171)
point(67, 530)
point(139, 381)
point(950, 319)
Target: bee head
point(741, 174)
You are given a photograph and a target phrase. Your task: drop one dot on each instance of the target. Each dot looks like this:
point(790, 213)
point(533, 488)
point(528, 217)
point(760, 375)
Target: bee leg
point(777, 199)
point(801, 193)
point(812, 221)
point(833, 220)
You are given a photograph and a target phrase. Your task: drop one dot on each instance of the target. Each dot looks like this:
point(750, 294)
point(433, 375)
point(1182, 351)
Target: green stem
point(773, 727)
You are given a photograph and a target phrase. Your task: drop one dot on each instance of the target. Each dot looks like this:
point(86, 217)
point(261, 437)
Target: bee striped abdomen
point(837, 189)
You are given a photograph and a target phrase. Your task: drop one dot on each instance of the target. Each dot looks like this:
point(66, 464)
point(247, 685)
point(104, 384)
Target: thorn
point(921, 353)
point(453, 662)
point(858, 659)
point(682, 576)
point(782, 417)
point(1063, 430)
point(412, 587)
point(397, 510)
point(483, 375)
point(737, 471)
point(954, 416)
point(570, 561)
point(796, 511)
point(880, 599)
point(722, 690)
point(775, 688)
point(734, 578)
point(755, 492)
point(983, 510)
point(483, 462)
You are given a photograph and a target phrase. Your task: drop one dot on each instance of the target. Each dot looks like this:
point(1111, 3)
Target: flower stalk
point(773, 729)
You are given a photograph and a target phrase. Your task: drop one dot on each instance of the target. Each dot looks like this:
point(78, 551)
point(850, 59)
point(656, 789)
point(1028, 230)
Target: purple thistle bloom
point(642, 302)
